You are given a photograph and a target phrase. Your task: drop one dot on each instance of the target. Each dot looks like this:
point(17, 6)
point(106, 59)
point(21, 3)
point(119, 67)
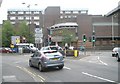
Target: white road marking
point(67, 68)
point(98, 77)
point(102, 61)
point(11, 78)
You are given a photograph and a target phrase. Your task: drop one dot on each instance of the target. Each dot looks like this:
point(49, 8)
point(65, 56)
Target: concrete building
point(54, 19)
point(115, 16)
point(32, 17)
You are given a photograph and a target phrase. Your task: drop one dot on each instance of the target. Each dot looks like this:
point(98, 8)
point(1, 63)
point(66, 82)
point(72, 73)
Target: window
point(27, 12)
point(37, 23)
point(27, 18)
point(12, 12)
point(69, 16)
point(61, 16)
point(20, 12)
point(20, 18)
point(37, 54)
point(36, 17)
point(36, 12)
point(12, 22)
point(12, 18)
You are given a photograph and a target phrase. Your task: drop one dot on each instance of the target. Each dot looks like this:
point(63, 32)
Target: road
point(96, 67)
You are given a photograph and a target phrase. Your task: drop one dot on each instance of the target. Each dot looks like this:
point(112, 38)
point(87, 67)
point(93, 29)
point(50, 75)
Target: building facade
point(54, 19)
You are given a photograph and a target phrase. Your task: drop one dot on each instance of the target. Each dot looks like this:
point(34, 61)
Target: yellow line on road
point(41, 77)
point(30, 73)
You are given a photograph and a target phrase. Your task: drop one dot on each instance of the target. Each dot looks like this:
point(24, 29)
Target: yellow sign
point(12, 46)
point(17, 40)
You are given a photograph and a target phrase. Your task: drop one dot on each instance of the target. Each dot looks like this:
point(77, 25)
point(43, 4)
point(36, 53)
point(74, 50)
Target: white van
point(28, 46)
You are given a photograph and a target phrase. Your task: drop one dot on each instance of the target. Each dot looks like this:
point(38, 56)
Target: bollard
point(75, 53)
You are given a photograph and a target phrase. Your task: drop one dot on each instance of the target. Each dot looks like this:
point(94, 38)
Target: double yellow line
point(33, 75)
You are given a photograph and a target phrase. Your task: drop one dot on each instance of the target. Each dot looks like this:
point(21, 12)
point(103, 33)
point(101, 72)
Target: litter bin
point(20, 50)
point(76, 53)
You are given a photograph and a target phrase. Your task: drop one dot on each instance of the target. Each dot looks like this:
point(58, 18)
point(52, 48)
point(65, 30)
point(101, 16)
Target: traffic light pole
point(84, 38)
point(93, 40)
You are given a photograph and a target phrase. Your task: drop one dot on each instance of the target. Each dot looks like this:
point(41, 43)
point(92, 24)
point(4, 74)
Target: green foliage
point(7, 32)
point(68, 36)
point(25, 32)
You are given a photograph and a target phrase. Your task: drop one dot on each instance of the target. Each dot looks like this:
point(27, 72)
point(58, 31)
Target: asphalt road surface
point(97, 66)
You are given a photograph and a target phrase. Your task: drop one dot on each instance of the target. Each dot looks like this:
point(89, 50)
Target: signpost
point(38, 37)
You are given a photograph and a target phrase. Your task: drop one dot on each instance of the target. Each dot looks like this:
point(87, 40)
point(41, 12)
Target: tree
point(7, 32)
point(68, 36)
point(24, 31)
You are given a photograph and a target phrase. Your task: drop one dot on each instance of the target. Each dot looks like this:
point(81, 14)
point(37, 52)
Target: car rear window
point(53, 48)
point(48, 52)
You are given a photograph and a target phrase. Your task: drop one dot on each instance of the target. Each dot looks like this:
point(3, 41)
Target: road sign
point(15, 39)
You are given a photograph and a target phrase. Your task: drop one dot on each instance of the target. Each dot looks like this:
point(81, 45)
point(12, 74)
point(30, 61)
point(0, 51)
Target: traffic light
point(93, 38)
point(84, 38)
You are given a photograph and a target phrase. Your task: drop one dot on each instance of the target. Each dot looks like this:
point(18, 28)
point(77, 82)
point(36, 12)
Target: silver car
point(58, 48)
point(118, 54)
point(114, 51)
point(46, 58)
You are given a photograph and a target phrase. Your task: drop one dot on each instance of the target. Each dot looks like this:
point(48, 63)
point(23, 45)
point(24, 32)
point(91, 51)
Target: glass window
point(12, 12)
point(36, 12)
point(12, 18)
point(37, 23)
point(20, 12)
point(36, 17)
point(27, 18)
point(27, 12)
point(20, 18)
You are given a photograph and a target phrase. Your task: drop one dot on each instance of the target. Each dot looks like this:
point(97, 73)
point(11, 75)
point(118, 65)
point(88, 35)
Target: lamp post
point(112, 31)
point(28, 6)
point(114, 16)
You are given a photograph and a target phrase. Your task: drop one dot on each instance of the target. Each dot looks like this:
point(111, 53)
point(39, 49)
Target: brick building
point(86, 24)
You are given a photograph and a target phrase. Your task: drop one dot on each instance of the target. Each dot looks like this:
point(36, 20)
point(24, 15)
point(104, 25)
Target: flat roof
point(24, 9)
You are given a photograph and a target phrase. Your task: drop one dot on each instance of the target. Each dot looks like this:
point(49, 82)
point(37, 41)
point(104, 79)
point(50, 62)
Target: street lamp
point(29, 19)
point(112, 31)
point(113, 23)
point(28, 5)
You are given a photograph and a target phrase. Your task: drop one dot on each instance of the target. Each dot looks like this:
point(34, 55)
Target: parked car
point(46, 58)
point(118, 54)
point(58, 48)
point(114, 51)
point(5, 50)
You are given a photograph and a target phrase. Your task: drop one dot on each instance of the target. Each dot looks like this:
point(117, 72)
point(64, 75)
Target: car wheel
point(40, 67)
point(118, 58)
point(60, 67)
point(30, 64)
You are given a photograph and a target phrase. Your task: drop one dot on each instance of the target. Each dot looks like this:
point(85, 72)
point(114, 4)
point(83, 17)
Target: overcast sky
point(94, 7)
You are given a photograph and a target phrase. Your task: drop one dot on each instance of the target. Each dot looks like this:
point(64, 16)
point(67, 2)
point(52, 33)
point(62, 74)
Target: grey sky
point(94, 7)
